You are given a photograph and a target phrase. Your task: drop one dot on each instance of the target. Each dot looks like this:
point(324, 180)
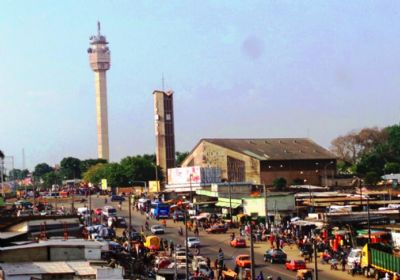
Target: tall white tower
point(99, 58)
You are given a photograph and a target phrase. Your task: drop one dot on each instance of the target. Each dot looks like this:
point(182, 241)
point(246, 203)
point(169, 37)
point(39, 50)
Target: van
point(109, 211)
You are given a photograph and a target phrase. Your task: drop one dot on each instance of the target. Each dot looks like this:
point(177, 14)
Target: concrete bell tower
point(99, 58)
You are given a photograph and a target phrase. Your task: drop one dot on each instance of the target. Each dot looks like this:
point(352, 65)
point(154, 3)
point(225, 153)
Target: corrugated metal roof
point(275, 148)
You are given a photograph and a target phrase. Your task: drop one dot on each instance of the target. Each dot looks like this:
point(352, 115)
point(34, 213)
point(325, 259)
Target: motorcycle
point(334, 264)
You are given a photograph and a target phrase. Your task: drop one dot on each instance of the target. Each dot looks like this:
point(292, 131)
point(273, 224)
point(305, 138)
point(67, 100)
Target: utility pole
point(253, 273)
point(130, 217)
point(186, 246)
point(90, 206)
point(369, 225)
point(315, 257)
point(266, 206)
point(230, 201)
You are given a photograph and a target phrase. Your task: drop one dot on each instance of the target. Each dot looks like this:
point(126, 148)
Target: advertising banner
point(154, 186)
point(193, 175)
point(104, 184)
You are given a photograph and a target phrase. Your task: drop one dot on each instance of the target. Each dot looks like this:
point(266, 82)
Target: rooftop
point(275, 148)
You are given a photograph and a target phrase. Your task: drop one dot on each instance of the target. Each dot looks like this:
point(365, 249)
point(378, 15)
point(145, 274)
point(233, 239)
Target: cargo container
point(378, 259)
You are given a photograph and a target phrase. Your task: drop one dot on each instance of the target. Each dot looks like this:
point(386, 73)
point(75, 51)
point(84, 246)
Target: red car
point(238, 243)
point(98, 211)
point(295, 265)
point(243, 261)
point(217, 229)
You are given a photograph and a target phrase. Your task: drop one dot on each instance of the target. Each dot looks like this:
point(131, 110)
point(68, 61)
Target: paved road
point(212, 242)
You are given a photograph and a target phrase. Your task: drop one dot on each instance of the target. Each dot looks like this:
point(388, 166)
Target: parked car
point(23, 203)
point(217, 229)
point(243, 261)
point(136, 237)
point(238, 243)
point(120, 223)
point(294, 265)
point(98, 211)
point(109, 211)
point(117, 198)
point(193, 242)
point(275, 256)
point(157, 229)
point(178, 215)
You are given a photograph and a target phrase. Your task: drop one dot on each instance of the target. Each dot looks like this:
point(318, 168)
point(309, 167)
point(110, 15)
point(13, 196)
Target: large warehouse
point(261, 161)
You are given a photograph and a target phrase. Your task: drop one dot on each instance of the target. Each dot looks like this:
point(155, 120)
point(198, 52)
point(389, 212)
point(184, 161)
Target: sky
point(239, 69)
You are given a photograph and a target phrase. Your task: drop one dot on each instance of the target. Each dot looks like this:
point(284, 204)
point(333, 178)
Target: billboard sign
point(193, 175)
point(104, 184)
point(154, 186)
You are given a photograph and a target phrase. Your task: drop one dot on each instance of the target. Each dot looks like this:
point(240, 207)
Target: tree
point(1, 155)
point(17, 174)
point(140, 169)
point(371, 178)
point(95, 173)
point(180, 157)
point(70, 168)
point(355, 144)
point(41, 169)
point(391, 167)
point(52, 178)
point(279, 183)
point(114, 173)
point(86, 164)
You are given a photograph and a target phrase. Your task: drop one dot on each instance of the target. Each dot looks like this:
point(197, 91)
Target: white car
point(193, 242)
point(157, 229)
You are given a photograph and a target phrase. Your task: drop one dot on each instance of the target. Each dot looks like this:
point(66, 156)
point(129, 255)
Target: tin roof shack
point(72, 270)
point(279, 204)
point(53, 250)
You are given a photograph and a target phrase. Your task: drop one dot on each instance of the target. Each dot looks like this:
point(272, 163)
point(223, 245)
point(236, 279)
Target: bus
point(159, 210)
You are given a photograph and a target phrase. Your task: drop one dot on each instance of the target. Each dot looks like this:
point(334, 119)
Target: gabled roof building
point(261, 161)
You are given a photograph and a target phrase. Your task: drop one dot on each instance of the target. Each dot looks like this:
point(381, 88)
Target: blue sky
point(238, 69)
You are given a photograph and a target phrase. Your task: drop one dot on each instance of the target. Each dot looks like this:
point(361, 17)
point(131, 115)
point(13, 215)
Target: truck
point(378, 259)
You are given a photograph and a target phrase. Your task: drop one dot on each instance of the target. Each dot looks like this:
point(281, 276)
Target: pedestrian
point(260, 276)
point(211, 275)
point(343, 263)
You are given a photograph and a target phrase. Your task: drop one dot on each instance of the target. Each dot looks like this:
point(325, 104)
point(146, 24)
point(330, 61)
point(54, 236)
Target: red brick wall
point(310, 170)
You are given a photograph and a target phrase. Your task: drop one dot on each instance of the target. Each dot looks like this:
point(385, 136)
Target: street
point(210, 244)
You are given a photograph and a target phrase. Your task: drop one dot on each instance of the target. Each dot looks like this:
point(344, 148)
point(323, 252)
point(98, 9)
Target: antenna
point(162, 82)
point(98, 28)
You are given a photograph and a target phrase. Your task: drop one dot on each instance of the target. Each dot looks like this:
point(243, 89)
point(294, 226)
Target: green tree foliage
point(70, 168)
point(391, 167)
point(356, 144)
point(125, 173)
point(114, 173)
point(382, 153)
point(279, 183)
point(41, 169)
point(140, 169)
point(86, 164)
point(18, 174)
point(371, 178)
point(180, 157)
point(52, 178)
point(95, 173)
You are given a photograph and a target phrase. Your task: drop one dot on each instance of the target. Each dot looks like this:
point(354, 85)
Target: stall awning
point(226, 204)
